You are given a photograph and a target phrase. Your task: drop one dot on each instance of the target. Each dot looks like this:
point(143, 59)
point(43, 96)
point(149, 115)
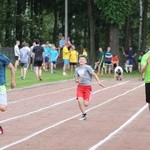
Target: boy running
point(83, 76)
point(4, 61)
point(146, 70)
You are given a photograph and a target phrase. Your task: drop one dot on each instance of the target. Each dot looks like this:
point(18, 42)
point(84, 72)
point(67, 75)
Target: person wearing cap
point(65, 55)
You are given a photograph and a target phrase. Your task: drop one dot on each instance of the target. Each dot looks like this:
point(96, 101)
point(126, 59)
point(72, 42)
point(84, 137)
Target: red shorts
point(84, 92)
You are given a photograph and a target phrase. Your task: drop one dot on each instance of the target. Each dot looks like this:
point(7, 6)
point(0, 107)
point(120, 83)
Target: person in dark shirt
point(129, 54)
point(38, 57)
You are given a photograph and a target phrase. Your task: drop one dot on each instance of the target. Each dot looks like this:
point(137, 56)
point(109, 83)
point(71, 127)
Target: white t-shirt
point(117, 68)
point(16, 50)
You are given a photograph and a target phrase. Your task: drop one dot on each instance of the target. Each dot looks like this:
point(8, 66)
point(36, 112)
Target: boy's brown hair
point(81, 55)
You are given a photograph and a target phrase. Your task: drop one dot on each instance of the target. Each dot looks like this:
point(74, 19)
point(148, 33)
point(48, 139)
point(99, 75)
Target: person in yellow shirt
point(65, 55)
point(73, 59)
point(85, 52)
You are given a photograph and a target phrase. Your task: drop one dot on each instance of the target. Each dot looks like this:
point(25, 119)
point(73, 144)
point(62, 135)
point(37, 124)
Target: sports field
point(46, 117)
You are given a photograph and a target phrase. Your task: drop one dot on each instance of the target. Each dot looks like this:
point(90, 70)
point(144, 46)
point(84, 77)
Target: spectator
point(24, 59)
point(108, 59)
point(139, 64)
point(62, 42)
point(115, 61)
point(73, 59)
point(53, 53)
point(66, 55)
point(85, 52)
point(38, 55)
point(99, 63)
point(16, 52)
point(31, 55)
point(129, 54)
point(46, 56)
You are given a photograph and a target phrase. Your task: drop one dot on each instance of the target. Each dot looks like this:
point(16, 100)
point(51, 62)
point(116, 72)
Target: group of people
point(83, 72)
point(44, 57)
point(37, 56)
point(108, 62)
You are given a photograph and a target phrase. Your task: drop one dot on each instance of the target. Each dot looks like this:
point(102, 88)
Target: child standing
point(4, 61)
point(73, 59)
point(83, 76)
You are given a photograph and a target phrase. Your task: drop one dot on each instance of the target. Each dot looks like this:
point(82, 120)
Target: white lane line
point(111, 135)
point(48, 93)
point(38, 95)
point(55, 104)
point(54, 125)
point(111, 99)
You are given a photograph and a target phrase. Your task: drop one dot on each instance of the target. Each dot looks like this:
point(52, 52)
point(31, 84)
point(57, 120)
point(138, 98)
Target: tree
point(114, 13)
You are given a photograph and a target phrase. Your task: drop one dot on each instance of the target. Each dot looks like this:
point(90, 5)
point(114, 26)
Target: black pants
point(147, 92)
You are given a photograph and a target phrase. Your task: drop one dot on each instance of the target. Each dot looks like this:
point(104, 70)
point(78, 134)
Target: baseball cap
point(68, 44)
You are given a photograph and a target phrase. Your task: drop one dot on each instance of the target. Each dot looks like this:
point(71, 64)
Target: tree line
point(91, 23)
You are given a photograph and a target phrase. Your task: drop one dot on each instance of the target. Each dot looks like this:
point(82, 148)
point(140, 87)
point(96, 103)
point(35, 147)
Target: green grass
point(134, 74)
point(31, 78)
point(49, 78)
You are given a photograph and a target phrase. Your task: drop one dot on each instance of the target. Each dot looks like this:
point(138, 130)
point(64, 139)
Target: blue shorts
point(46, 59)
point(130, 62)
point(66, 61)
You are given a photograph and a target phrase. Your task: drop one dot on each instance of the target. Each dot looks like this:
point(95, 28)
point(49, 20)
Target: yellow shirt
point(65, 53)
point(73, 56)
point(85, 53)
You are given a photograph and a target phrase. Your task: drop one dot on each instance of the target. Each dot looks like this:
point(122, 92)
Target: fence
point(9, 52)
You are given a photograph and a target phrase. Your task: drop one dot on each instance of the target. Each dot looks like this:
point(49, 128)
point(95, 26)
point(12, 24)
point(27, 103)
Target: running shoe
point(83, 117)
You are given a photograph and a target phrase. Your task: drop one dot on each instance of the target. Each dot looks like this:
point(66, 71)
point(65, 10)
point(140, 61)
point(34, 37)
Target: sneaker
point(83, 117)
point(1, 130)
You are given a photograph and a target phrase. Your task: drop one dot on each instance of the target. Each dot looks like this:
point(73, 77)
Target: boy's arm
point(12, 79)
point(97, 78)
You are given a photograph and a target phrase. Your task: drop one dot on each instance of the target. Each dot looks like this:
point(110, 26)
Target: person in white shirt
point(17, 53)
point(31, 55)
point(118, 73)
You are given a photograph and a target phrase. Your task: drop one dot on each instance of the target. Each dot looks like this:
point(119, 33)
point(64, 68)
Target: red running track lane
point(47, 117)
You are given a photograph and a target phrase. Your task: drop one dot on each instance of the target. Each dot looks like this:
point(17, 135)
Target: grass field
point(49, 78)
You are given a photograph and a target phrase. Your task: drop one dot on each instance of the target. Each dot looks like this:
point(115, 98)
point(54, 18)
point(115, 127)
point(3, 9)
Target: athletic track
point(46, 117)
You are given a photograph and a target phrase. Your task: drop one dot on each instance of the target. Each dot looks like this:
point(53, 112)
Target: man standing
point(146, 70)
point(16, 52)
point(38, 57)
point(129, 54)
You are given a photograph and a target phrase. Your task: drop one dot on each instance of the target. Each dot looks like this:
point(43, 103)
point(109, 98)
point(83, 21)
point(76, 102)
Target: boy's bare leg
point(81, 105)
